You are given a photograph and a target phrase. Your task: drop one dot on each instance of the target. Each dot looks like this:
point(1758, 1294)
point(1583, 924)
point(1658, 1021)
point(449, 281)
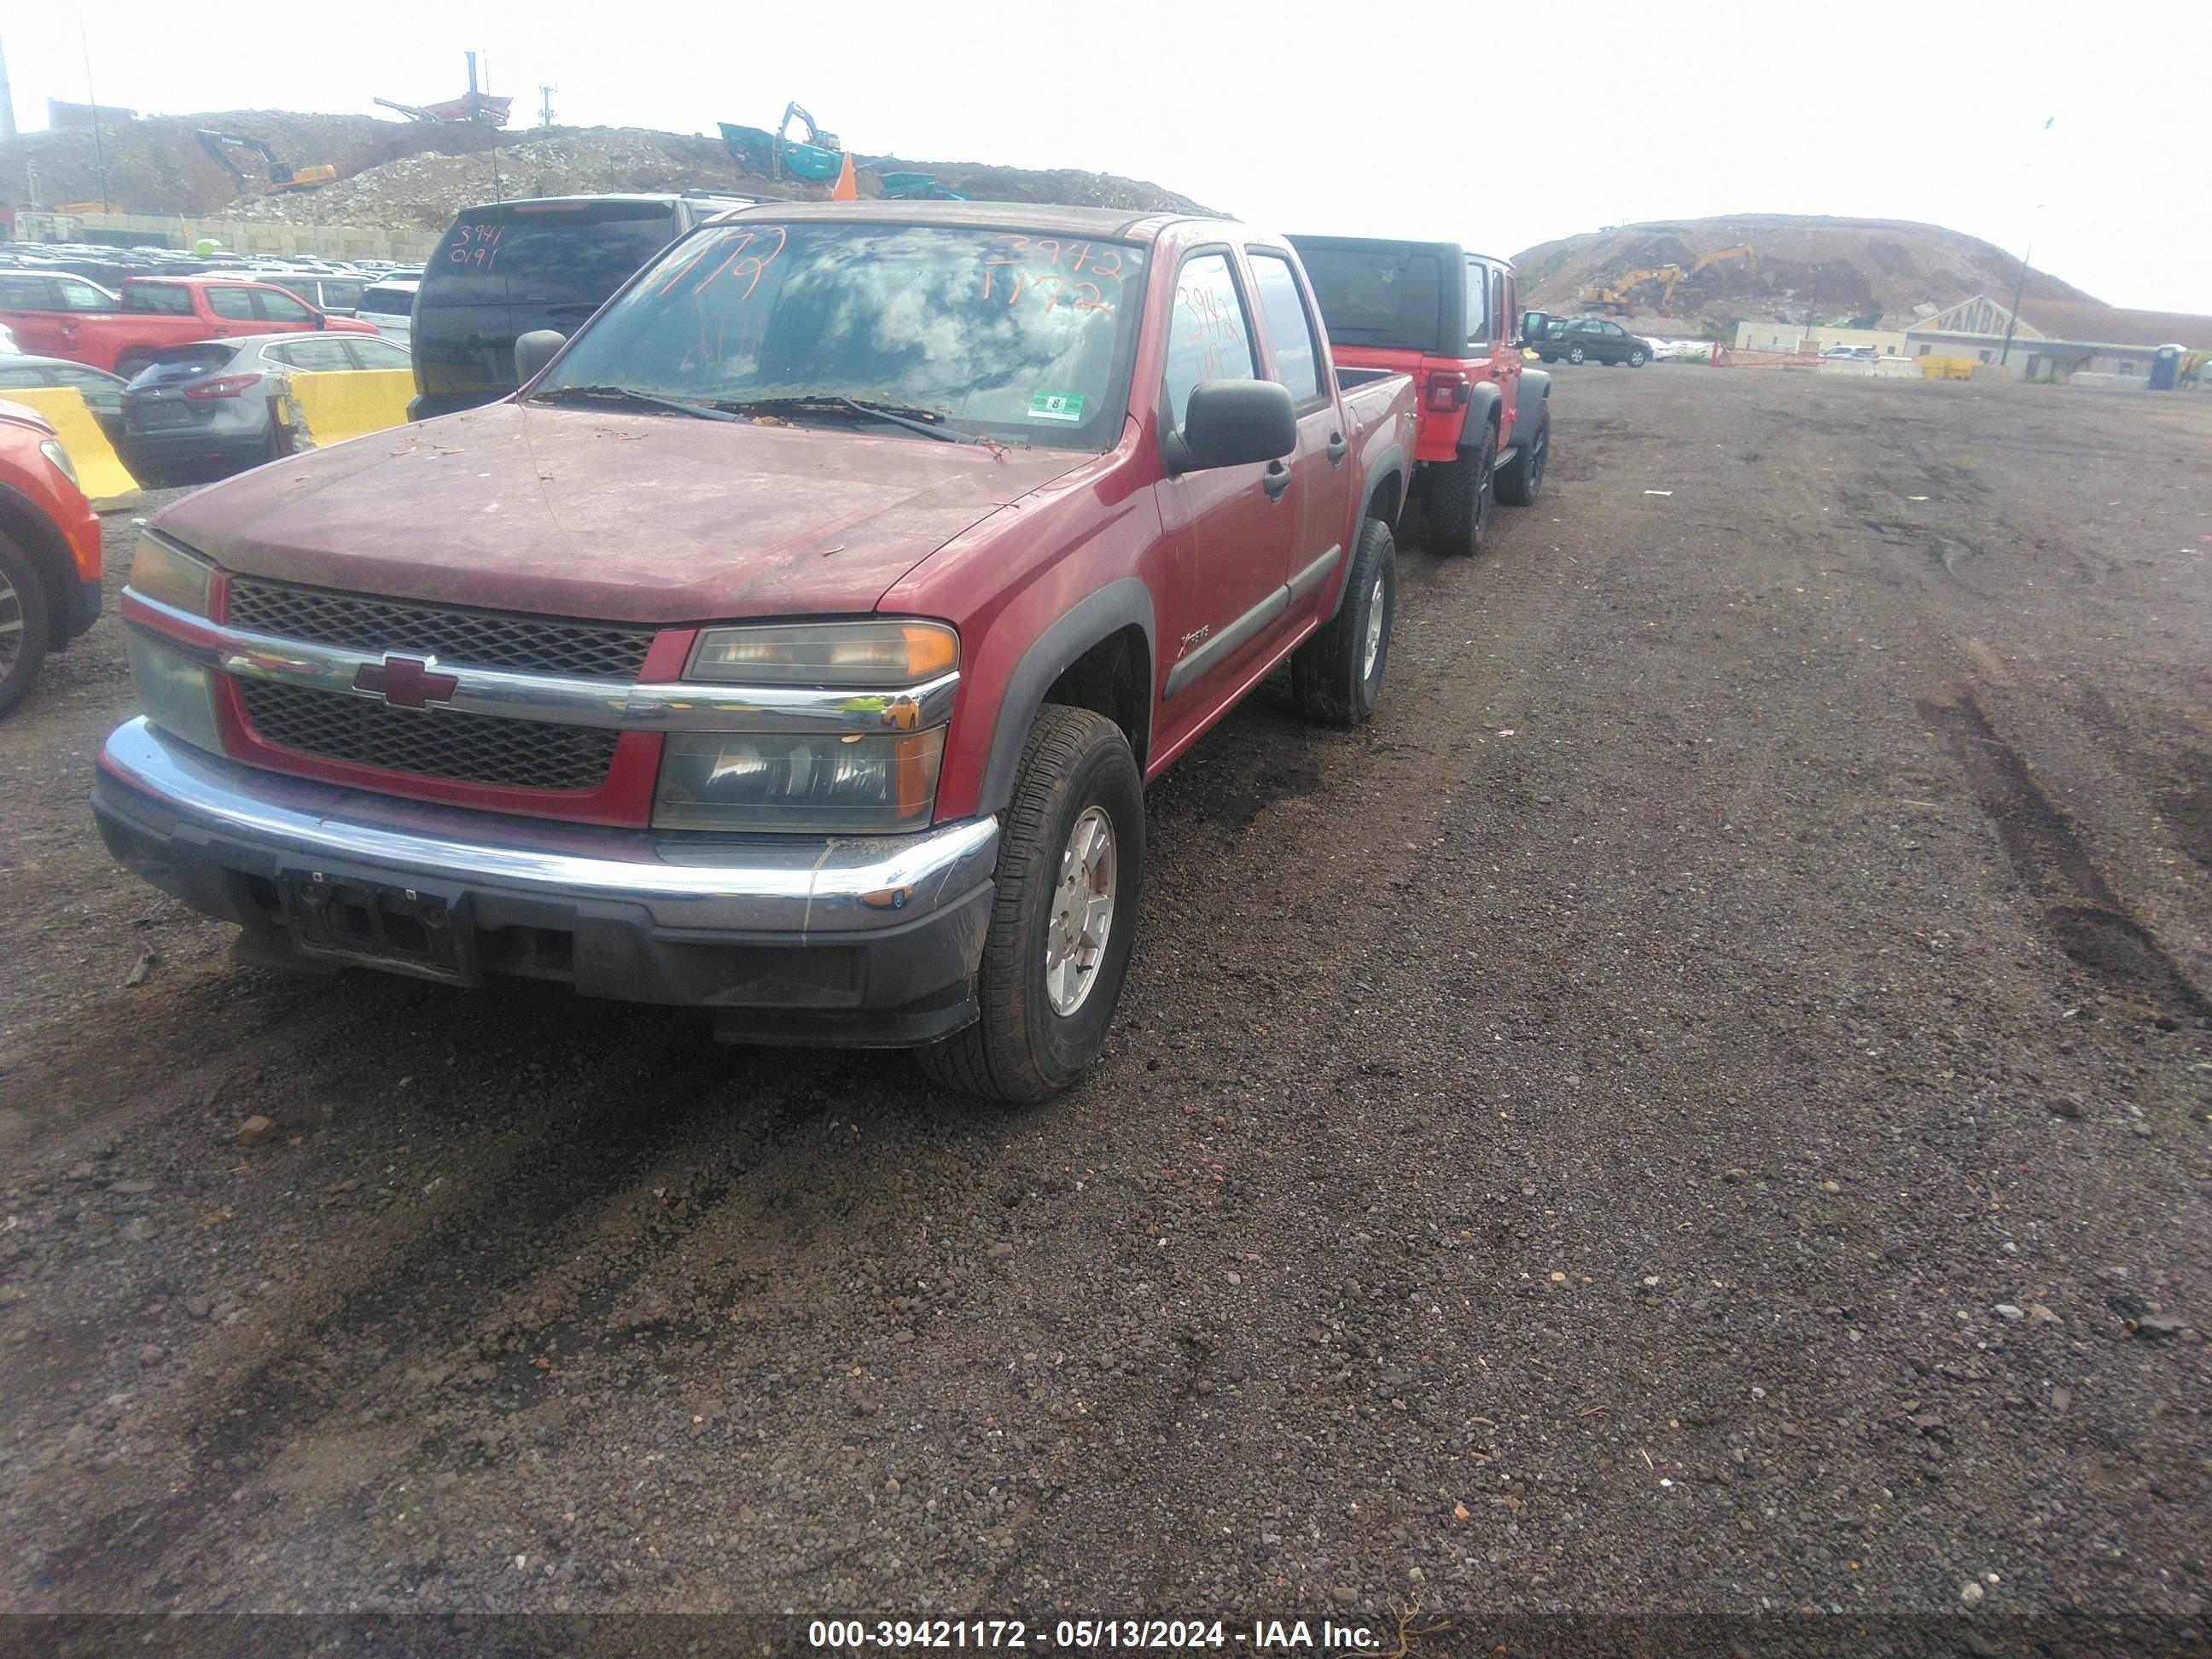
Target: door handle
point(1275, 480)
point(1337, 446)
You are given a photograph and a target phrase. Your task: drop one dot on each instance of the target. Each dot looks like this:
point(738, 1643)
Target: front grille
point(431, 743)
point(474, 639)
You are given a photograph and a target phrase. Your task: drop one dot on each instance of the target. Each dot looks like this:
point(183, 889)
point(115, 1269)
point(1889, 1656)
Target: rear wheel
point(1337, 675)
point(1549, 357)
point(1521, 478)
point(1574, 354)
point(1459, 497)
point(24, 625)
point(1063, 916)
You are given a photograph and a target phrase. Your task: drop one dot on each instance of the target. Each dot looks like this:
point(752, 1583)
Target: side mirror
point(1233, 423)
point(321, 320)
point(533, 350)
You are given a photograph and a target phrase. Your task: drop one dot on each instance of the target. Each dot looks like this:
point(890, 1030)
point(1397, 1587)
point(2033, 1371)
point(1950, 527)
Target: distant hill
point(397, 174)
point(1809, 267)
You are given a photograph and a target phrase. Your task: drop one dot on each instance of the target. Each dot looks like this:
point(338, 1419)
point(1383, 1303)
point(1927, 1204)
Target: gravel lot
point(1703, 1106)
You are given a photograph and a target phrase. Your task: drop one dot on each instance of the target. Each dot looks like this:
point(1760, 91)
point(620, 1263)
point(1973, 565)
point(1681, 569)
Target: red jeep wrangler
point(795, 644)
point(1449, 319)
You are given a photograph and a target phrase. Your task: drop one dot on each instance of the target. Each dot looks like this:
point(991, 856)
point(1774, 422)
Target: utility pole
point(545, 91)
point(2012, 317)
point(99, 155)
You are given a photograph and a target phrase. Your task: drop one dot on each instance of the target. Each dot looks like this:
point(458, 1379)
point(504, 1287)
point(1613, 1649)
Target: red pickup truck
point(1449, 318)
point(53, 315)
point(795, 644)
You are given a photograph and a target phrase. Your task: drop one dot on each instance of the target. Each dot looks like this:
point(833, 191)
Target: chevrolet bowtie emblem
point(405, 682)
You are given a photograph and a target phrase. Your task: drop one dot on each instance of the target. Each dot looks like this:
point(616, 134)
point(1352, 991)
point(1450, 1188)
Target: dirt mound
point(408, 175)
point(155, 165)
point(1816, 268)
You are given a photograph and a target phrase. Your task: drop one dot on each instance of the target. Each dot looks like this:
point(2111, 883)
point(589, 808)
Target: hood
point(610, 515)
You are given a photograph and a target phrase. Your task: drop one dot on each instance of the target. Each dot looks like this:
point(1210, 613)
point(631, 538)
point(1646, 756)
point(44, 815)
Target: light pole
point(2012, 317)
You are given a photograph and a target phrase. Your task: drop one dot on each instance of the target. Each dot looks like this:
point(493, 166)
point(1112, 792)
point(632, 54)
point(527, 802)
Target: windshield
point(1021, 338)
point(566, 253)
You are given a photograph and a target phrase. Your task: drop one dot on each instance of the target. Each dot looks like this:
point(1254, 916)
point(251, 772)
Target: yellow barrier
point(99, 470)
point(1947, 369)
point(332, 408)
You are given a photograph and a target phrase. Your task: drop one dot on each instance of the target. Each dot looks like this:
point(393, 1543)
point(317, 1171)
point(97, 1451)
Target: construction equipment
point(469, 109)
point(281, 177)
point(1743, 250)
point(818, 158)
point(1613, 295)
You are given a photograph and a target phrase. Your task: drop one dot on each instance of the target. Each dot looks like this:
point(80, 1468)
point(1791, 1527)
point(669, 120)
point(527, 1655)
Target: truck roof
point(1118, 224)
point(1451, 250)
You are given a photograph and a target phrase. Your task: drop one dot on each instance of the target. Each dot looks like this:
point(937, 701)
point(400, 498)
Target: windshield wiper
point(622, 394)
point(916, 420)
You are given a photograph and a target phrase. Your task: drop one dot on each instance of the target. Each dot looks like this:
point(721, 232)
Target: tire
point(1022, 1047)
point(1337, 675)
point(1574, 354)
point(1637, 357)
point(25, 628)
point(1459, 498)
point(1549, 357)
point(1521, 479)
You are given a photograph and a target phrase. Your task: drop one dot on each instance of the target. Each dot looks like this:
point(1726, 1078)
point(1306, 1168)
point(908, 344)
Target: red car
point(1448, 317)
point(795, 644)
point(49, 551)
point(54, 314)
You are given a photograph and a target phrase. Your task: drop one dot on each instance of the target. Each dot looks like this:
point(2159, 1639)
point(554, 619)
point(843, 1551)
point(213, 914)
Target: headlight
point(52, 450)
point(164, 572)
point(177, 693)
point(863, 656)
point(859, 783)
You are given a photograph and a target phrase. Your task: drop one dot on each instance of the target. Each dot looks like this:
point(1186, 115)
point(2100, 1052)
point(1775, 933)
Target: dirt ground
point(1702, 1106)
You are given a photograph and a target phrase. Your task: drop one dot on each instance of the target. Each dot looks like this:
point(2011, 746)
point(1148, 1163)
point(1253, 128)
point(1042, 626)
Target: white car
point(390, 306)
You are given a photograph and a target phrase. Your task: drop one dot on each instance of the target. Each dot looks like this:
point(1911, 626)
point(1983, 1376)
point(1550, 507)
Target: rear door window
point(1209, 336)
point(165, 299)
point(276, 306)
point(235, 303)
point(27, 293)
point(1289, 335)
point(569, 257)
point(1478, 303)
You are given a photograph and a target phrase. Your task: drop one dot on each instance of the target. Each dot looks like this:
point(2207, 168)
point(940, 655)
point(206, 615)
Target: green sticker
point(1057, 406)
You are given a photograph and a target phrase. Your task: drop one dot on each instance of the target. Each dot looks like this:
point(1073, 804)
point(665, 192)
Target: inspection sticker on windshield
point(1057, 406)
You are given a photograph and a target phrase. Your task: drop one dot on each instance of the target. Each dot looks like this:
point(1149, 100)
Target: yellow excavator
point(1613, 295)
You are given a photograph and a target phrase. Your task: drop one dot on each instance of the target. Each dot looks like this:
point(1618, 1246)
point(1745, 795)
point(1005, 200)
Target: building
point(2058, 339)
point(1813, 338)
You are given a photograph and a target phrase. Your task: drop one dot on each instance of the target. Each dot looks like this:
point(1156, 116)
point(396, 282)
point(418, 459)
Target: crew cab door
point(1232, 527)
point(1319, 469)
point(32, 312)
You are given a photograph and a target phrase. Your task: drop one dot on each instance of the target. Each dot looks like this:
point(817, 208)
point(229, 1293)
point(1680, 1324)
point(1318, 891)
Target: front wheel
point(24, 628)
point(1063, 915)
point(1637, 358)
point(1337, 675)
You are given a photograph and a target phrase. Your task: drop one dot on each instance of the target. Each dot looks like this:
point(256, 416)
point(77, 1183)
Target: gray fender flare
point(1531, 401)
point(1482, 407)
point(1123, 603)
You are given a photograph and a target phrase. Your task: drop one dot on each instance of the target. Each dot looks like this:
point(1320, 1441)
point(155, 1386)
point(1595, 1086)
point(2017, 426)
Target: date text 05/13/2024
point(1259, 1636)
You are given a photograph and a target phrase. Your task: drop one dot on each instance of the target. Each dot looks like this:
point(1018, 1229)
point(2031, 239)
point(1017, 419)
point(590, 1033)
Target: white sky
point(1494, 125)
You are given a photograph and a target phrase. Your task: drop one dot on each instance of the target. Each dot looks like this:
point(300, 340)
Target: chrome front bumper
point(869, 939)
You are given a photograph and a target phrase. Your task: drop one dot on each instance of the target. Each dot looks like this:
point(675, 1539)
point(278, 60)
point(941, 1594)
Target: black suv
point(509, 267)
point(1589, 339)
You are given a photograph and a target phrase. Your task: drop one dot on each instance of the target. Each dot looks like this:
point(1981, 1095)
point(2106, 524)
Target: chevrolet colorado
point(795, 644)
